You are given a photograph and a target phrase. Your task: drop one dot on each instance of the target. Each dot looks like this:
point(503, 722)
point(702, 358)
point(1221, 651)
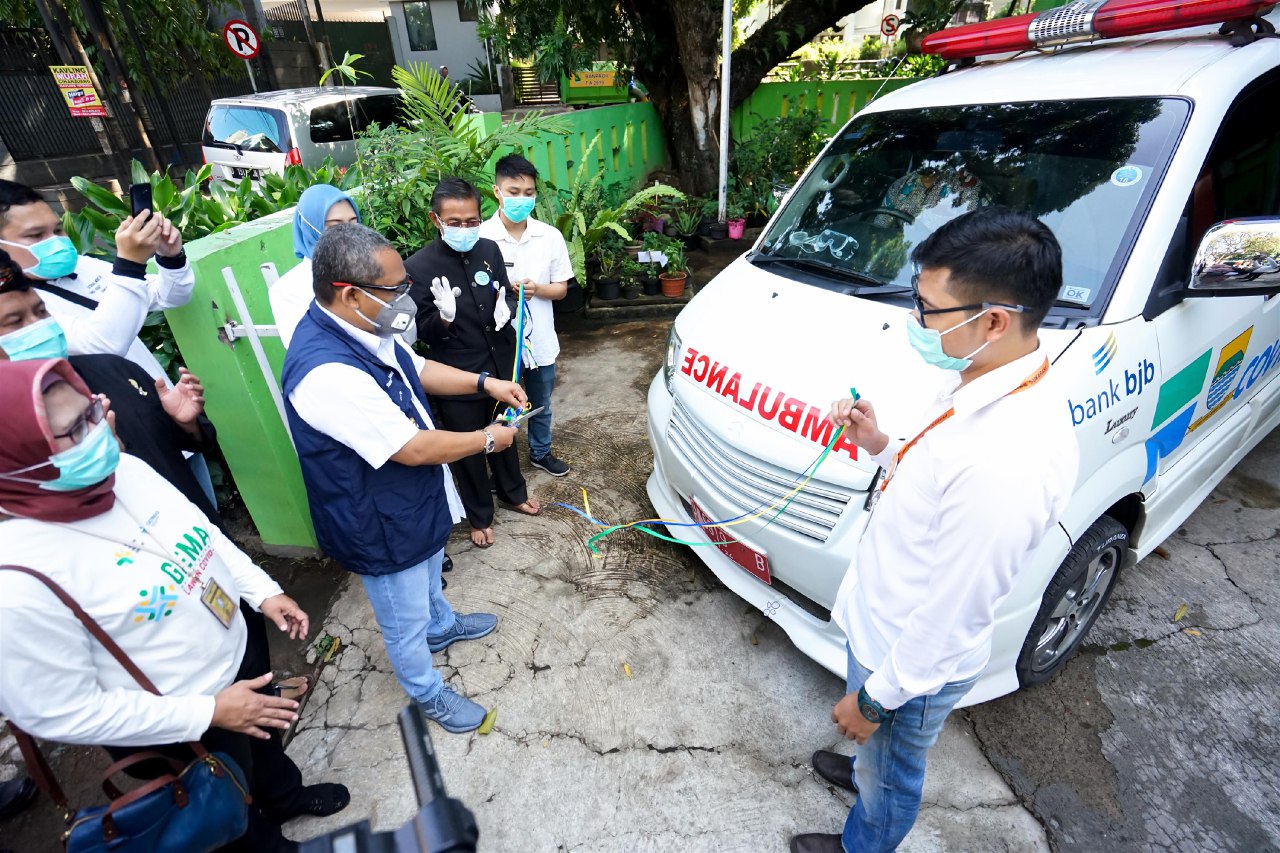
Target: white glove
point(444, 299)
point(501, 310)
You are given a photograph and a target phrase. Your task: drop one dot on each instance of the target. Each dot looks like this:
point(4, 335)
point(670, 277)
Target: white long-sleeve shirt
point(123, 305)
point(957, 522)
point(290, 297)
point(138, 569)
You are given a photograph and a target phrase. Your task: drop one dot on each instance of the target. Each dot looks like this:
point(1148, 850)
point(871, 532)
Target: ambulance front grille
point(747, 483)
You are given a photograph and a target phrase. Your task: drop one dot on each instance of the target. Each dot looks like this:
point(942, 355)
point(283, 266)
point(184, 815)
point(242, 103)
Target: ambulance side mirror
point(1238, 257)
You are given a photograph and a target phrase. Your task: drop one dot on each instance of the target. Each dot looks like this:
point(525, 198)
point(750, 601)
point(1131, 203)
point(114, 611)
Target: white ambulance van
point(1154, 158)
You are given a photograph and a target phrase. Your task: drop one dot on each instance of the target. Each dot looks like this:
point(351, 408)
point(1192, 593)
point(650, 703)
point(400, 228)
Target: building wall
point(866, 21)
point(457, 44)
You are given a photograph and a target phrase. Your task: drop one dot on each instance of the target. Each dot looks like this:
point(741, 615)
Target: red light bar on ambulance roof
point(1086, 20)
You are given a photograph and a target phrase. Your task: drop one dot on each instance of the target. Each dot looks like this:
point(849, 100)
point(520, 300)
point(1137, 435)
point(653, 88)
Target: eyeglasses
point(82, 425)
point(977, 306)
point(398, 289)
point(460, 223)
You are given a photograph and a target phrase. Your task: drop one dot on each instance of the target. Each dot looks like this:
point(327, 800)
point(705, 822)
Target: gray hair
point(346, 252)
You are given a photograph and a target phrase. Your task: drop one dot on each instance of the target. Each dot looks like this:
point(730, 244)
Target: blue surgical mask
point(86, 464)
point(55, 257)
point(928, 343)
point(460, 239)
point(42, 339)
point(518, 209)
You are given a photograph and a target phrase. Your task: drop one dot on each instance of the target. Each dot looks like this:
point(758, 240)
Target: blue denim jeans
point(889, 768)
point(538, 384)
point(409, 605)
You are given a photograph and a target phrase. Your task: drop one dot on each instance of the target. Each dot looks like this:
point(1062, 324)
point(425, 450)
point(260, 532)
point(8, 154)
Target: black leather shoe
point(816, 842)
point(834, 768)
point(446, 565)
point(16, 795)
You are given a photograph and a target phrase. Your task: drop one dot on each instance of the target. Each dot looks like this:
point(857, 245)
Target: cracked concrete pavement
point(1162, 734)
point(640, 705)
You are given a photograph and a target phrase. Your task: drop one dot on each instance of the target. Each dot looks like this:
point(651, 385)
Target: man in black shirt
point(465, 305)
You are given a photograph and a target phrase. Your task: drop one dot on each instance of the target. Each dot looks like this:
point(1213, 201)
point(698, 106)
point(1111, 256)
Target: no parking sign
point(241, 39)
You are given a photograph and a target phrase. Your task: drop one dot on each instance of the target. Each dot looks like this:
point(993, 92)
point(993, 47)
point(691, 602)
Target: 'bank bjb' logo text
point(1109, 397)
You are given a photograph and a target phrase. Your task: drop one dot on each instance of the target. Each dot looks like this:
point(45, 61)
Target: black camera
point(442, 825)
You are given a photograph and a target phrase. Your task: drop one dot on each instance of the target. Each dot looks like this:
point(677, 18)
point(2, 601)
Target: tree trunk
point(682, 70)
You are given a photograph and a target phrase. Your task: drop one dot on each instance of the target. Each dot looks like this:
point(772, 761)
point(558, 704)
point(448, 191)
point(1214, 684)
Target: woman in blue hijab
point(319, 207)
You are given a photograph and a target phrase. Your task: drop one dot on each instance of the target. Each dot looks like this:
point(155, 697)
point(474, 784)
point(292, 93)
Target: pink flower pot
point(736, 227)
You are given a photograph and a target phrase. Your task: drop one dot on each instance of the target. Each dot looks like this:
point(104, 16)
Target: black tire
point(1072, 601)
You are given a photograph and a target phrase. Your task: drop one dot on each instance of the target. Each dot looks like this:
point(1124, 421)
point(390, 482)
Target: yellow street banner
point(77, 89)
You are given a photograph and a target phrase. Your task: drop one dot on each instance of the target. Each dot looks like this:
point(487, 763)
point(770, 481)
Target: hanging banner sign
point(77, 89)
point(593, 79)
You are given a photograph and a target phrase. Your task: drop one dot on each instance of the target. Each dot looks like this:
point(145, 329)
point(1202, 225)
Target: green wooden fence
point(836, 100)
point(631, 144)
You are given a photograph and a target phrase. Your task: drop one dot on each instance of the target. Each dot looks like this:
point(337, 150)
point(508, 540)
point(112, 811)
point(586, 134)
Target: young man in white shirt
point(100, 306)
point(535, 254)
point(963, 503)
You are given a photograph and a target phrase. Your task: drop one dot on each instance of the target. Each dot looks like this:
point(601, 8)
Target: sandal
point(292, 688)
point(485, 534)
point(536, 507)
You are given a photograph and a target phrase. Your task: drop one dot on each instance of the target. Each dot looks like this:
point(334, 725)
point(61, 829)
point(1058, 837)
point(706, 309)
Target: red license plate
point(754, 562)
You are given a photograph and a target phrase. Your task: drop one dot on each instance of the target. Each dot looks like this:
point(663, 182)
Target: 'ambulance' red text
point(790, 413)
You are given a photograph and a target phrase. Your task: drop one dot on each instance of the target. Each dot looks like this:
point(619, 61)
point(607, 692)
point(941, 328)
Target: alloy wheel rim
point(1075, 610)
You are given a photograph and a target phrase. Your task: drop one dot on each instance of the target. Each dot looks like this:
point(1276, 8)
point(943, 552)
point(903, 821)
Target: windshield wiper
point(828, 269)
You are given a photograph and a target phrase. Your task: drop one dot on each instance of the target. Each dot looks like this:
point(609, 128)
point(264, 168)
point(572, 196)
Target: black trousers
point(472, 472)
point(275, 782)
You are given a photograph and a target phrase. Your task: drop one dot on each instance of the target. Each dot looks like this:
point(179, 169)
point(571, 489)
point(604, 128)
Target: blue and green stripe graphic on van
point(1182, 388)
point(1103, 355)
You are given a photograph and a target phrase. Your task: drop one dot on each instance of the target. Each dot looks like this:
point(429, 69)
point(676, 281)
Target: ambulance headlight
point(673, 356)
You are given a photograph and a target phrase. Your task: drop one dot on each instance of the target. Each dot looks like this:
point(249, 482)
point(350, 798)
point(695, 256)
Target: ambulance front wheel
point(1072, 601)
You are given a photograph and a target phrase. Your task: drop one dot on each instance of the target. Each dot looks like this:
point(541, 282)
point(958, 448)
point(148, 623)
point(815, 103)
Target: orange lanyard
point(1035, 377)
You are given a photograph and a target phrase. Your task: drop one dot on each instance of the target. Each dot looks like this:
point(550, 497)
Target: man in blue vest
point(376, 470)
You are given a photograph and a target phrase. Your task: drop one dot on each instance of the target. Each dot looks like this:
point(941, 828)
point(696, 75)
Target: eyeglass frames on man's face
point(923, 312)
point(398, 289)
point(461, 223)
point(82, 425)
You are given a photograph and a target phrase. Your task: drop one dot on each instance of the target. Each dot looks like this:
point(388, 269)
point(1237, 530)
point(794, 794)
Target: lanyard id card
point(219, 603)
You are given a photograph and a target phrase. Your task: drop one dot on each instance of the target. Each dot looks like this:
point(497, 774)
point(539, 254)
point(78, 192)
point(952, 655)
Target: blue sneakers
point(454, 713)
point(471, 626)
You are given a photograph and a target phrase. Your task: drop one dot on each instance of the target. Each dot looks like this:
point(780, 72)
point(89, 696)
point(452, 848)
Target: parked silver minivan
point(265, 132)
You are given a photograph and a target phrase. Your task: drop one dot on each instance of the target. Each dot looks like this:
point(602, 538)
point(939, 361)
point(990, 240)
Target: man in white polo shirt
point(536, 255)
point(963, 503)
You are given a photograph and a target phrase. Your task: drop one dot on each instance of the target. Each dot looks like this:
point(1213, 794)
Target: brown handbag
point(148, 818)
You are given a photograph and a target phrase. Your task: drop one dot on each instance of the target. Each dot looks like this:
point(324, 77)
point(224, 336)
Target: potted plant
point(735, 219)
point(688, 220)
point(574, 298)
point(673, 277)
point(655, 249)
point(632, 274)
point(607, 283)
point(712, 226)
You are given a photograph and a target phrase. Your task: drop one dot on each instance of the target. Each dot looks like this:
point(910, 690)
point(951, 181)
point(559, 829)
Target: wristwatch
point(871, 710)
point(480, 381)
point(489, 442)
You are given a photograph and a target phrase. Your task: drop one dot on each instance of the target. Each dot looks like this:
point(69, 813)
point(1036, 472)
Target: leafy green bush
point(776, 153)
point(195, 213)
point(403, 165)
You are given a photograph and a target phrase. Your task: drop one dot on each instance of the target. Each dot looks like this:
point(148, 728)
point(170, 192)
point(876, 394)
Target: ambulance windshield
point(1086, 168)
